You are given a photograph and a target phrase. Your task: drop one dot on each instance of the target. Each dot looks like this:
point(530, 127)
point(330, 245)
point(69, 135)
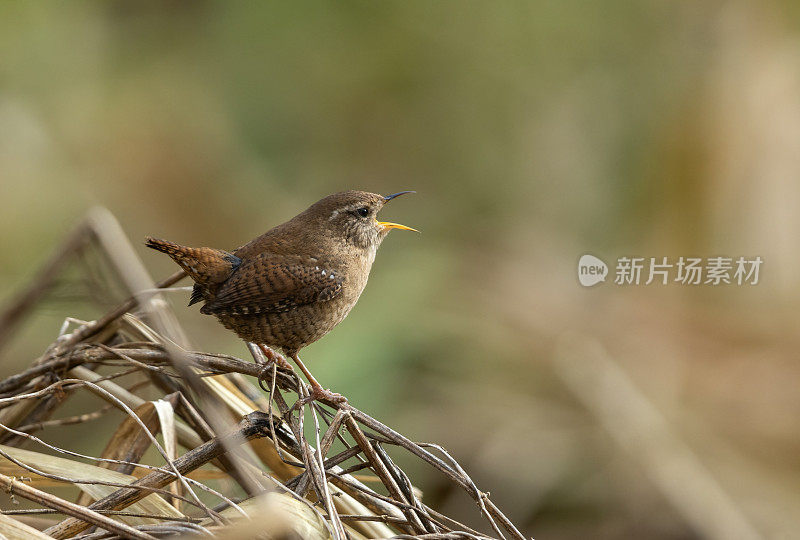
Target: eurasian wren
point(296, 282)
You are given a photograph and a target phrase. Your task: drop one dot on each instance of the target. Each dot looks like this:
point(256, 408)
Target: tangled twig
point(269, 456)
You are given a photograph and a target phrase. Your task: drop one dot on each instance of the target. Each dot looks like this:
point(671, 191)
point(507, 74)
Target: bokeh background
point(533, 132)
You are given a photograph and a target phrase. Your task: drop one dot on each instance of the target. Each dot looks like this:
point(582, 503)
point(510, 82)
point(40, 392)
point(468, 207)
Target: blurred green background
point(533, 132)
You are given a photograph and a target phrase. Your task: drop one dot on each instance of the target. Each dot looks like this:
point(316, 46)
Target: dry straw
point(226, 458)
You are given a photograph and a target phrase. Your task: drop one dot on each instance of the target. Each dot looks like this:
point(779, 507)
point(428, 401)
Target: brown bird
point(296, 282)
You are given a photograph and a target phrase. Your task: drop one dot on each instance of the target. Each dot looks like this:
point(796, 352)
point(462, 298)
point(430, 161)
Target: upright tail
point(208, 267)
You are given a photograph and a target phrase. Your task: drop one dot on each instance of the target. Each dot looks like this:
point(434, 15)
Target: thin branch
point(252, 426)
point(82, 513)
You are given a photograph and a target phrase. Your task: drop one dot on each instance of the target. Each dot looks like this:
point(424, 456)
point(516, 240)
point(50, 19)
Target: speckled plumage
point(296, 282)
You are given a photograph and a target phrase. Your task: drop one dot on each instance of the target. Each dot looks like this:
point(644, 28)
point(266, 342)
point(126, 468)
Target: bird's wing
point(270, 283)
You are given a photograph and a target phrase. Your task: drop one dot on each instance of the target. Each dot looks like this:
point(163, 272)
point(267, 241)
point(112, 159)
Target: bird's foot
point(275, 358)
point(318, 393)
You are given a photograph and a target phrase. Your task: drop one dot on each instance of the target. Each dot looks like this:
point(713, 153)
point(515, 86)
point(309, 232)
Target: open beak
point(388, 225)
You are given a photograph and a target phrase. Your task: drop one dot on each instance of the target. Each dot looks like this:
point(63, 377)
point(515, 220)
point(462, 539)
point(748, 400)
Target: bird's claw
point(275, 358)
point(281, 362)
point(319, 393)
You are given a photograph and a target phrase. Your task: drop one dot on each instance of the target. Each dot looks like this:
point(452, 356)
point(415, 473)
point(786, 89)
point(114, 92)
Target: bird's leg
point(272, 356)
point(317, 391)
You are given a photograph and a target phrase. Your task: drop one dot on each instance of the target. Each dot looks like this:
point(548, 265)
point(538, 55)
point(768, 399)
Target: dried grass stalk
point(234, 459)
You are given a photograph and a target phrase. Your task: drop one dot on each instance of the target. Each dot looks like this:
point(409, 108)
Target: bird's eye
point(363, 211)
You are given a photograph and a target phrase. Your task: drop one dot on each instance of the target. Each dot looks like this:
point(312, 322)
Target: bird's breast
point(356, 275)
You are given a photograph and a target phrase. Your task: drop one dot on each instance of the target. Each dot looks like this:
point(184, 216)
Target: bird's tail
point(176, 251)
point(208, 267)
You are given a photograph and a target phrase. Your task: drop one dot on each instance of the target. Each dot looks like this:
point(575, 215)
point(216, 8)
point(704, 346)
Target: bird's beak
point(388, 225)
point(390, 197)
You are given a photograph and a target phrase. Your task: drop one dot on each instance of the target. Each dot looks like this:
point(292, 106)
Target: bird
point(293, 284)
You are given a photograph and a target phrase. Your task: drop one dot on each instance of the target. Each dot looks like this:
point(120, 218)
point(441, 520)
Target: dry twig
point(268, 451)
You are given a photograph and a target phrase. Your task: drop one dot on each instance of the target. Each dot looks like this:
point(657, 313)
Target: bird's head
point(352, 216)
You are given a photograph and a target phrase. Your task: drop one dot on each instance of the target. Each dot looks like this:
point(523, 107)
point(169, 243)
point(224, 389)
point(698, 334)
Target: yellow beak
point(389, 225)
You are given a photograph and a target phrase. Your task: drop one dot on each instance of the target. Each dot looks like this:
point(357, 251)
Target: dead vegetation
point(212, 453)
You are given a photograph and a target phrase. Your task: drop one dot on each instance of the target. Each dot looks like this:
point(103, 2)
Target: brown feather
point(270, 283)
point(293, 284)
point(208, 267)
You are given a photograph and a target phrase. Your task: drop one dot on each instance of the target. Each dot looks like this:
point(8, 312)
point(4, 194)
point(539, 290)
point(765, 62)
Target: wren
point(293, 284)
